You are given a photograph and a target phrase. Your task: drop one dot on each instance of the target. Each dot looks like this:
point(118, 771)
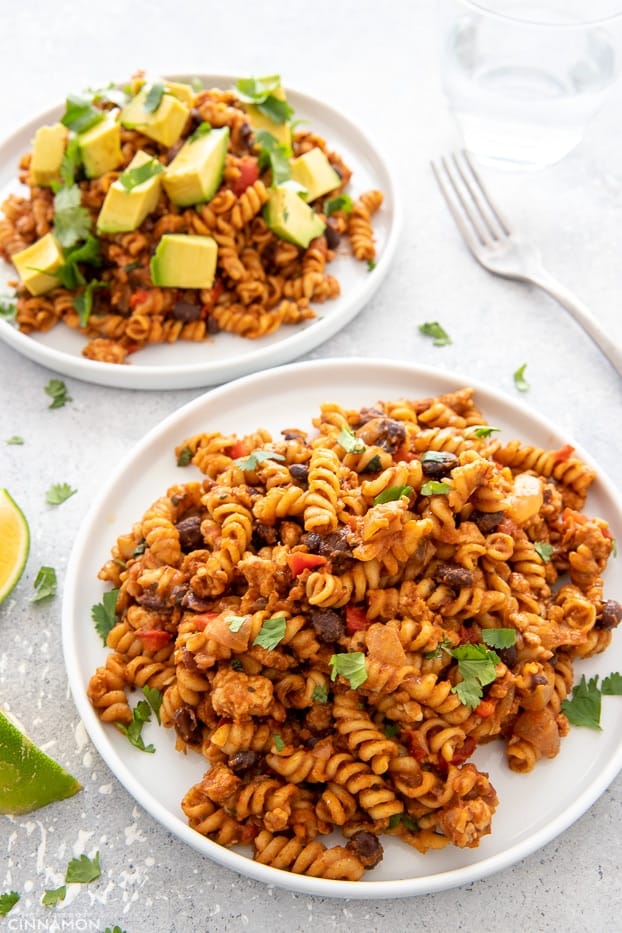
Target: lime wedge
point(29, 778)
point(14, 543)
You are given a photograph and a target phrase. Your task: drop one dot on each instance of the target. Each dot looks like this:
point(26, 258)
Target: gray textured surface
point(377, 63)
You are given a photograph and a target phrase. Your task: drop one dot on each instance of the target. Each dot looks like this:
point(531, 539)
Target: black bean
point(611, 614)
point(328, 624)
point(187, 726)
point(242, 760)
point(333, 237)
point(438, 463)
point(367, 847)
point(486, 521)
point(184, 311)
point(189, 530)
point(454, 576)
point(299, 472)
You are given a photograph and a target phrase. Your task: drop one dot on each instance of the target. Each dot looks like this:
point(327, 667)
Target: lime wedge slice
point(14, 543)
point(29, 779)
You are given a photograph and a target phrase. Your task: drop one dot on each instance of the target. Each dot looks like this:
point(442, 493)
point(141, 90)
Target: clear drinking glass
point(525, 78)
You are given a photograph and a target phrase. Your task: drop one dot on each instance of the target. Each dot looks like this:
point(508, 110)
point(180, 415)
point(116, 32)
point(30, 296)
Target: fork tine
point(492, 207)
point(465, 195)
point(471, 235)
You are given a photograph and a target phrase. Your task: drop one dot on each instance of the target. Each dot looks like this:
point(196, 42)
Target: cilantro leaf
point(583, 707)
point(433, 329)
point(392, 493)
point(45, 584)
point(341, 202)
point(499, 637)
point(54, 896)
point(83, 870)
point(260, 92)
point(519, 379)
point(271, 633)
point(8, 307)
point(80, 114)
point(140, 715)
point(132, 177)
point(273, 155)
point(70, 162)
point(435, 488)
point(8, 900)
point(72, 221)
point(153, 98)
point(114, 929)
point(279, 744)
point(258, 456)
point(83, 303)
point(154, 699)
point(59, 493)
point(185, 457)
point(612, 685)
point(350, 442)
point(202, 130)
point(484, 430)
point(15, 440)
point(320, 693)
point(544, 550)
point(235, 623)
point(69, 274)
point(57, 390)
point(104, 614)
point(477, 667)
point(350, 665)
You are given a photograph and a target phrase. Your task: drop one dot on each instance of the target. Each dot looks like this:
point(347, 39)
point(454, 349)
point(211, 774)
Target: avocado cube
point(290, 217)
point(164, 124)
point(184, 260)
point(37, 263)
point(182, 91)
point(315, 173)
point(196, 171)
point(100, 146)
point(282, 132)
point(47, 154)
point(124, 210)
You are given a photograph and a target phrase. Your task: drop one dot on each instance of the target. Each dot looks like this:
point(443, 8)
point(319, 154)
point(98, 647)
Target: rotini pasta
point(305, 610)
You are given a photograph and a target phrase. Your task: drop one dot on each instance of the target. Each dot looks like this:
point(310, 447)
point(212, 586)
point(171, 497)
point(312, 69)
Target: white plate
point(533, 808)
point(185, 364)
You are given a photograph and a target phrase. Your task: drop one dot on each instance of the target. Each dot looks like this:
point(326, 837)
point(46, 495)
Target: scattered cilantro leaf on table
point(8, 900)
point(433, 329)
point(519, 379)
point(15, 440)
point(59, 493)
point(45, 584)
point(57, 390)
point(83, 870)
point(54, 896)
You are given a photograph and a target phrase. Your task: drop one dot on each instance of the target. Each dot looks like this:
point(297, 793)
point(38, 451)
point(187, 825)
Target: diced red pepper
point(139, 297)
point(463, 754)
point(154, 639)
point(413, 745)
point(356, 619)
point(249, 173)
point(564, 453)
point(299, 561)
point(485, 709)
point(201, 620)
point(237, 450)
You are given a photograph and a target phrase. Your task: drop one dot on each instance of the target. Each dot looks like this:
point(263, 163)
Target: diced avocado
point(315, 173)
point(196, 171)
point(183, 91)
point(282, 132)
point(164, 124)
point(184, 260)
point(47, 153)
point(100, 147)
point(36, 263)
point(124, 210)
point(290, 217)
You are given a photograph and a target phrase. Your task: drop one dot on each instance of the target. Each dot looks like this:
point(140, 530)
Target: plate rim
point(249, 358)
point(363, 889)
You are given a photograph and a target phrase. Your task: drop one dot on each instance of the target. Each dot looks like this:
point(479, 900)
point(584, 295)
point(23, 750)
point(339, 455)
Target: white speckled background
point(377, 63)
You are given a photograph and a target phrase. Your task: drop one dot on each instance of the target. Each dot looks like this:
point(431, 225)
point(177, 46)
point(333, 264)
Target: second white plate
point(185, 365)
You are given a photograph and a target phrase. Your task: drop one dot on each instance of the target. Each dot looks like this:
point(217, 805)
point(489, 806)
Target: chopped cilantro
point(259, 91)
point(8, 307)
point(202, 130)
point(132, 177)
point(279, 744)
point(104, 614)
point(499, 637)
point(72, 221)
point(184, 457)
point(15, 440)
point(612, 685)
point(476, 666)
point(80, 114)
point(350, 665)
point(341, 202)
point(273, 155)
point(54, 896)
point(69, 273)
point(519, 379)
point(153, 98)
point(583, 707)
point(256, 457)
point(350, 442)
point(484, 430)
point(83, 870)
point(433, 329)
point(235, 623)
point(83, 303)
point(154, 699)
point(544, 550)
point(140, 715)
point(59, 493)
point(371, 265)
point(392, 493)
point(45, 584)
point(320, 693)
point(57, 390)
point(271, 633)
point(69, 164)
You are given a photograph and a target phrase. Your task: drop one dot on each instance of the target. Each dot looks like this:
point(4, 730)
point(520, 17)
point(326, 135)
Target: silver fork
point(502, 252)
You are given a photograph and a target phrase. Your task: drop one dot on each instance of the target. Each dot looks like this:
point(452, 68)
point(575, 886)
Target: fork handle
point(582, 315)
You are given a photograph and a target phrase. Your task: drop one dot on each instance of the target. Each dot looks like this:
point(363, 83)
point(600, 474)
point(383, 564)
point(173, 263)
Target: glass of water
point(525, 78)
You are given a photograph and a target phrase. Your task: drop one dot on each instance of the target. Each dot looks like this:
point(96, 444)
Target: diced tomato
point(564, 453)
point(469, 635)
point(402, 453)
point(154, 639)
point(463, 754)
point(485, 709)
point(201, 620)
point(249, 173)
point(413, 745)
point(300, 561)
point(356, 619)
point(239, 449)
point(139, 297)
